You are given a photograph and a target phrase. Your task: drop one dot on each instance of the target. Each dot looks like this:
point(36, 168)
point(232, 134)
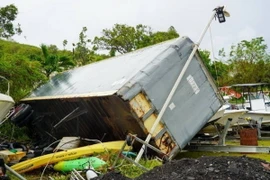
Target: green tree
point(143, 36)
point(123, 38)
point(53, 49)
point(164, 36)
point(217, 69)
point(249, 51)
point(52, 62)
point(249, 61)
point(65, 43)
point(120, 38)
point(8, 15)
point(205, 55)
point(81, 51)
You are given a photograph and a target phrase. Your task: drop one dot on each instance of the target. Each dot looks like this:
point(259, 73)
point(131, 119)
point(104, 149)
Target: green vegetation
point(247, 62)
point(18, 65)
point(263, 156)
point(7, 15)
point(123, 166)
point(10, 133)
point(123, 38)
point(130, 170)
point(27, 67)
point(54, 62)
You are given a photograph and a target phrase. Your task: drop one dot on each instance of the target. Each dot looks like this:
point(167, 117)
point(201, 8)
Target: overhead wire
point(213, 53)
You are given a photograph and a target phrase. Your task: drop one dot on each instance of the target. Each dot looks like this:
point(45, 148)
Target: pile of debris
point(224, 167)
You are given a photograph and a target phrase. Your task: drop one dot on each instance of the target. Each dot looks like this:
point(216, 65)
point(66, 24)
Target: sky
point(52, 21)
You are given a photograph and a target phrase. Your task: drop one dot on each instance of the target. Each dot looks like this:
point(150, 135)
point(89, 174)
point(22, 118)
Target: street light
point(221, 13)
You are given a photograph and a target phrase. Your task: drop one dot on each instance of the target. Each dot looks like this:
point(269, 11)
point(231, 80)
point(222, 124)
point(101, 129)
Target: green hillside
point(19, 64)
point(11, 47)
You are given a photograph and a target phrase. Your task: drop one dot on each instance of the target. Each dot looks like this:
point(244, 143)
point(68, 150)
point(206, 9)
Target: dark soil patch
point(210, 168)
point(112, 176)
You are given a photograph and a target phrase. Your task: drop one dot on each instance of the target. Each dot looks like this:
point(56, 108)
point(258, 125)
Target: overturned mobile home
point(124, 94)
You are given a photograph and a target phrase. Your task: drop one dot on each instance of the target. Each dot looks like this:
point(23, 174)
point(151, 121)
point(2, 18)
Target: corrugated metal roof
point(107, 75)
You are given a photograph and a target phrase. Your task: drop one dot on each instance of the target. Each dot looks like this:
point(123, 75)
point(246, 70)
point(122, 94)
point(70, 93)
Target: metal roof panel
point(106, 75)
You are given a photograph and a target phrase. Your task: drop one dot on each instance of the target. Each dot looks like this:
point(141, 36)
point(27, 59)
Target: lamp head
point(220, 14)
point(226, 13)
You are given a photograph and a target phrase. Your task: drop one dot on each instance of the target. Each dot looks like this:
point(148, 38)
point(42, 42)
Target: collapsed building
point(108, 99)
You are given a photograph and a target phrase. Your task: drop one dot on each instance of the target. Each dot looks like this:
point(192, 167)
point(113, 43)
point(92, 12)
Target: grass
point(10, 132)
point(132, 171)
point(263, 156)
point(124, 167)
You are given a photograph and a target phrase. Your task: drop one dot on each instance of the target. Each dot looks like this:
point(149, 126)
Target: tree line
point(27, 66)
point(245, 62)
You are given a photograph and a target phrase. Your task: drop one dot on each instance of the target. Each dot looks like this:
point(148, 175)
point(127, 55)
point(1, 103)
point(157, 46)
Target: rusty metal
point(141, 106)
point(134, 137)
point(249, 137)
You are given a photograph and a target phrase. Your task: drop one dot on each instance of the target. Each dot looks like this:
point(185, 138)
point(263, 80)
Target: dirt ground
point(210, 168)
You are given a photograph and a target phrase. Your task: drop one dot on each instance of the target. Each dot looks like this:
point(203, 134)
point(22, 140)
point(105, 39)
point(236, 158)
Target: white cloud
point(246, 33)
point(52, 21)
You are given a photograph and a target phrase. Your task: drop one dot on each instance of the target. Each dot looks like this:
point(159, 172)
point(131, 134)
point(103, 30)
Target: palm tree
point(54, 63)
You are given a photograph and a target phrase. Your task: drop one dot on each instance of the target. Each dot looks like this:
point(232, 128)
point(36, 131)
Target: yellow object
point(9, 156)
point(52, 158)
point(141, 105)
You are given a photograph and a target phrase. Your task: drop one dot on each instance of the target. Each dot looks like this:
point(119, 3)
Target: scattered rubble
point(225, 167)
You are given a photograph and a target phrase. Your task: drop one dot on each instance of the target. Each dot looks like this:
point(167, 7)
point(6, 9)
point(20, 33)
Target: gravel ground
point(210, 168)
